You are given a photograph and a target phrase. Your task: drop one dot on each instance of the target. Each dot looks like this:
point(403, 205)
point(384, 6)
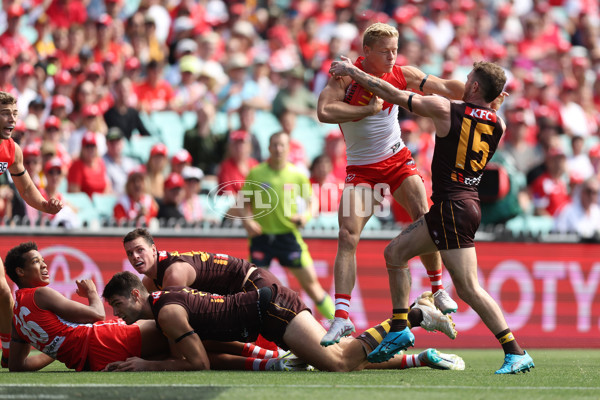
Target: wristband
point(423, 82)
point(409, 102)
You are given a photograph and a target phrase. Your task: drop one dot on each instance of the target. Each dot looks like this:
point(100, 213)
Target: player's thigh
point(412, 196)
point(303, 335)
point(357, 205)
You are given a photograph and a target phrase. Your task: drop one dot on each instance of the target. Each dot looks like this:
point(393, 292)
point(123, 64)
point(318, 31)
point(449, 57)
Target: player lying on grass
point(187, 316)
point(78, 336)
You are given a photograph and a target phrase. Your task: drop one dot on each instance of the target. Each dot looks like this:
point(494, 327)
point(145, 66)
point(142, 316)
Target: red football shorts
point(112, 340)
point(392, 171)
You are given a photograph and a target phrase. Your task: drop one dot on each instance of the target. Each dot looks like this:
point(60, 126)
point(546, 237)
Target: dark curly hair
point(14, 259)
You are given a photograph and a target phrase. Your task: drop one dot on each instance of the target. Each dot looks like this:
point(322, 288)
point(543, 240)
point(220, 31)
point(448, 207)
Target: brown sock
point(509, 343)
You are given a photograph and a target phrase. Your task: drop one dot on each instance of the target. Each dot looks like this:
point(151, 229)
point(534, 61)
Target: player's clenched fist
point(85, 287)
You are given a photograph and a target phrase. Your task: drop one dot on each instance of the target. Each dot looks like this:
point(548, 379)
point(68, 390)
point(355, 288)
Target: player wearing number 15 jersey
point(467, 135)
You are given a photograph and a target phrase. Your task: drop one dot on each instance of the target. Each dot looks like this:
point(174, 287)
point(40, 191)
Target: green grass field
point(559, 374)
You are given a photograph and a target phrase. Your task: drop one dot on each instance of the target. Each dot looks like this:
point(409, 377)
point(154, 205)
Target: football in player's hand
point(356, 95)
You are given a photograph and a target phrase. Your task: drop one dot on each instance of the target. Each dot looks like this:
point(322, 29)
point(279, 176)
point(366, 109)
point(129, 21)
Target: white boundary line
point(101, 385)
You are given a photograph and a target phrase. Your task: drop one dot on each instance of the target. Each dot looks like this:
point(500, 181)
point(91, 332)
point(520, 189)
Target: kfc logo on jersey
point(162, 255)
point(3, 167)
point(350, 178)
point(485, 115)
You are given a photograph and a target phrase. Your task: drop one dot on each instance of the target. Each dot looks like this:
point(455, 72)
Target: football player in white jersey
point(377, 156)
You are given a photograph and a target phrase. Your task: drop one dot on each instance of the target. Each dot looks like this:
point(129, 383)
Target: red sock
point(342, 305)
point(5, 339)
point(252, 350)
point(435, 277)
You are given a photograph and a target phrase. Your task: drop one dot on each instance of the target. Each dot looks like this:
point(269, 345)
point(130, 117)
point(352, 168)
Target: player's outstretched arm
point(27, 189)
point(417, 80)
point(371, 83)
point(49, 299)
point(331, 108)
point(21, 361)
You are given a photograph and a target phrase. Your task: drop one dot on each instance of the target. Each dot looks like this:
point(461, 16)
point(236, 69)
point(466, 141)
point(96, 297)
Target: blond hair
point(377, 31)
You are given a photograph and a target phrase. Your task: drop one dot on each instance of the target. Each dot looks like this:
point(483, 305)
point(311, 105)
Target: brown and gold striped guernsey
point(212, 316)
point(460, 157)
point(215, 273)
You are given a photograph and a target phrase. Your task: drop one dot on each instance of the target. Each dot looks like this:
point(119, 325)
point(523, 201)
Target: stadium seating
point(139, 147)
point(530, 225)
point(171, 129)
point(83, 206)
point(104, 205)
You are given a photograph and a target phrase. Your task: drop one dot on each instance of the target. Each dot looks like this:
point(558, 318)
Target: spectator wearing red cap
point(549, 192)
point(64, 83)
point(439, 29)
point(54, 134)
point(91, 121)
point(54, 173)
point(123, 113)
point(136, 205)
point(32, 160)
point(168, 206)
point(132, 69)
point(106, 43)
point(234, 169)
point(88, 173)
point(85, 95)
point(155, 167)
point(180, 160)
point(6, 73)
point(594, 155)
point(70, 44)
point(154, 93)
point(23, 87)
point(63, 14)
point(11, 41)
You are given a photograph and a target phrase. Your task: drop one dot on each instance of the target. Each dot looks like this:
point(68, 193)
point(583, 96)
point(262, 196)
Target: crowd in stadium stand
point(95, 78)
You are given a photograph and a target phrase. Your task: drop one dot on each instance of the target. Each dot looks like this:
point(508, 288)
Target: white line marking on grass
point(187, 385)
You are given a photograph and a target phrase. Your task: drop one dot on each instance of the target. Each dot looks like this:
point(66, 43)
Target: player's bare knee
point(393, 254)
point(348, 239)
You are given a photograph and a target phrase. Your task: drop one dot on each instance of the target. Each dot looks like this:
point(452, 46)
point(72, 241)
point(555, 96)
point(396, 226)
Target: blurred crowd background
point(135, 111)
